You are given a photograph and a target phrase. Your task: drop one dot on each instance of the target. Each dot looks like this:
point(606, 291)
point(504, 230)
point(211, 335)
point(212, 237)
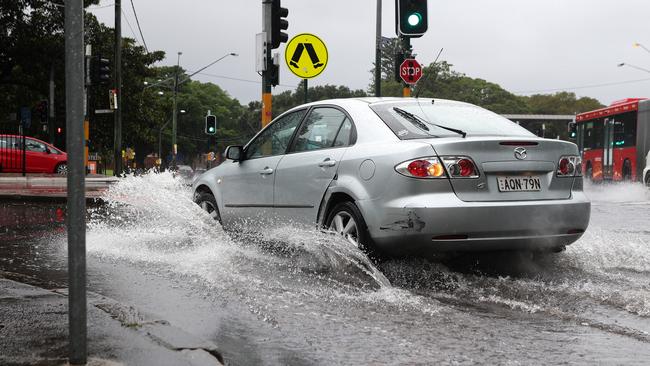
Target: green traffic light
point(211, 129)
point(414, 19)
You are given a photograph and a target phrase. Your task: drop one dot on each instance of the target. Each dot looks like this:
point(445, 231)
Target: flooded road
point(299, 296)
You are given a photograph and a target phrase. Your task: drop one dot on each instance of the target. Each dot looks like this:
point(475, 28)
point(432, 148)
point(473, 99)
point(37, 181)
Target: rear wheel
point(627, 170)
point(346, 220)
point(589, 172)
point(61, 169)
point(209, 204)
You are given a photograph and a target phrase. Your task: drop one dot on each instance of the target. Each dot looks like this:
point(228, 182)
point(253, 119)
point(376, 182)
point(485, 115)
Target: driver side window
point(35, 146)
point(276, 138)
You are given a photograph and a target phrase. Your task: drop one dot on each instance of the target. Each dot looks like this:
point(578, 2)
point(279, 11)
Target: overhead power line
point(243, 80)
point(135, 35)
point(583, 86)
point(137, 21)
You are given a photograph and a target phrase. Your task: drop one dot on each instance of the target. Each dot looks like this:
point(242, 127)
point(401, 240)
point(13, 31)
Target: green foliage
point(288, 99)
point(442, 82)
point(560, 103)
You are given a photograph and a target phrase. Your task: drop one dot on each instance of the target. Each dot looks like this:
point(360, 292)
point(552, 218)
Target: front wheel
point(209, 204)
point(61, 169)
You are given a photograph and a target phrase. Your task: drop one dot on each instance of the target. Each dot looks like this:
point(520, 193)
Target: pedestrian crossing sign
point(306, 55)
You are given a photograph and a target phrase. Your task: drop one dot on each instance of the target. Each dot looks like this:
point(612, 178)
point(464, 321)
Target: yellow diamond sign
point(306, 55)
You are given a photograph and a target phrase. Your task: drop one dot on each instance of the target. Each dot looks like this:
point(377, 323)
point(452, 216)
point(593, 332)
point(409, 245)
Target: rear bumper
point(440, 222)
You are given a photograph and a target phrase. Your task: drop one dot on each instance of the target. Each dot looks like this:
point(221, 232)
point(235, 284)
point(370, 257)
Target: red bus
point(615, 140)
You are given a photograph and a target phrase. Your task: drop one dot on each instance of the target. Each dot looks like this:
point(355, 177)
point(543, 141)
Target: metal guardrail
point(12, 149)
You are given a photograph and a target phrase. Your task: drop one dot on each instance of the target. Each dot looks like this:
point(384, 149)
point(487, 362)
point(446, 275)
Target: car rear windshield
point(434, 116)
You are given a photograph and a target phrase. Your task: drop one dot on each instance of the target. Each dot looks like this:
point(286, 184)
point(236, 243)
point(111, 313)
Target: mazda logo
point(520, 153)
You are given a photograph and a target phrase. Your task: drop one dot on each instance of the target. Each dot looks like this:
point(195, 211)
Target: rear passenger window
point(322, 129)
point(343, 137)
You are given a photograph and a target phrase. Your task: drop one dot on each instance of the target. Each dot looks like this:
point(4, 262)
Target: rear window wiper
point(421, 124)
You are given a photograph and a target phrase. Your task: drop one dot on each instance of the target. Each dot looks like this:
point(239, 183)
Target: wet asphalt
point(302, 297)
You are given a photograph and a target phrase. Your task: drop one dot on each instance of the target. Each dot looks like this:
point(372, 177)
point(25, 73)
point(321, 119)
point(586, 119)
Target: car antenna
point(417, 93)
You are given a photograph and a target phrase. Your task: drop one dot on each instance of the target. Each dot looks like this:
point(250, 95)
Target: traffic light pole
point(407, 52)
point(117, 148)
point(267, 97)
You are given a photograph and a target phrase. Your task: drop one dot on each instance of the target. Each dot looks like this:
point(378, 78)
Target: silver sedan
point(403, 177)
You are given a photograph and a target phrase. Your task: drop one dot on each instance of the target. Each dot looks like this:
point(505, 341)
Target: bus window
point(625, 130)
point(593, 133)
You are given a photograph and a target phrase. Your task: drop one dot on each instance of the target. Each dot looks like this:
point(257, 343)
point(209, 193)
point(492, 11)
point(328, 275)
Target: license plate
point(519, 184)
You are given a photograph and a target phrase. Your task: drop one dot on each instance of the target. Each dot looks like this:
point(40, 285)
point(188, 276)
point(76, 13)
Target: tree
point(288, 99)
point(441, 81)
point(389, 49)
point(560, 103)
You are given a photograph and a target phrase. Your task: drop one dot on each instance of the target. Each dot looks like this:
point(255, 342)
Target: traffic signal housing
point(100, 70)
point(411, 18)
point(573, 130)
point(42, 109)
point(278, 24)
point(211, 125)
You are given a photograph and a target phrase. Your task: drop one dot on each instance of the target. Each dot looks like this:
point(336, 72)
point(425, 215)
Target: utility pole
point(378, 52)
point(76, 203)
point(175, 112)
point(50, 117)
point(118, 88)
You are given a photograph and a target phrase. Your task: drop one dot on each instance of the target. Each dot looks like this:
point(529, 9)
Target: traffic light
point(573, 130)
point(278, 24)
point(411, 18)
point(211, 125)
point(42, 109)
point(100, 70)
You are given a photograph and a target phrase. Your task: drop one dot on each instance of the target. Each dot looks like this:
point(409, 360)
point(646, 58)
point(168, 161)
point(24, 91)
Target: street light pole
point(174, 112)
point(637, 44)
point(633, 66)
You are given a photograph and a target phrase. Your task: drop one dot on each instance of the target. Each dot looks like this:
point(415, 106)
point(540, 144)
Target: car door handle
point(266, 171)
point(327, 163)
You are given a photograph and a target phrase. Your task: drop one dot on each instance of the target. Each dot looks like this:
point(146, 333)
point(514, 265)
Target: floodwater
point(300, 296)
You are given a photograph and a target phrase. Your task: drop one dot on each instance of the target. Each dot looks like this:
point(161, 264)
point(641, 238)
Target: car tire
point(209, 204)
point(589, 172)
point(627, 170)
point(339, 221)
point(61, 169)
point(646, 179)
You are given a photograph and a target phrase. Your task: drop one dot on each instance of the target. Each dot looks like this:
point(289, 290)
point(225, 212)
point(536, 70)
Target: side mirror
point(235, 153)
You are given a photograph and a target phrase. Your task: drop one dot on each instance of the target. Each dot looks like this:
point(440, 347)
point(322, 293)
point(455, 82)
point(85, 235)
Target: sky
point(526, 46)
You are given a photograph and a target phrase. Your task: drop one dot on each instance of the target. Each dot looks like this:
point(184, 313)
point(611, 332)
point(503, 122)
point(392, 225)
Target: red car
point(41, 157)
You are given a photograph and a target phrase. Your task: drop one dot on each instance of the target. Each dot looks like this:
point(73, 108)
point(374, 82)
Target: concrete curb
point(199, 351)
point(187, 347)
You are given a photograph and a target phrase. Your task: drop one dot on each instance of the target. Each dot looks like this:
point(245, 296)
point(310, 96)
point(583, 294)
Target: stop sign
point(410, 71)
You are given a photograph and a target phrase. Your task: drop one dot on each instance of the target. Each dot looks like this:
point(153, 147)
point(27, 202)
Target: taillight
point(433, 167)
point(429, 167)
point(569, 166)
point(460, 167)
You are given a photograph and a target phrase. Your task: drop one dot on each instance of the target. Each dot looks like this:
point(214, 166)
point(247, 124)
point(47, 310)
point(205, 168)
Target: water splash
point(151, 220)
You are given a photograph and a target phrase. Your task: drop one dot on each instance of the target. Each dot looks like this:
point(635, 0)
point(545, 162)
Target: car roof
point(374, 100)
